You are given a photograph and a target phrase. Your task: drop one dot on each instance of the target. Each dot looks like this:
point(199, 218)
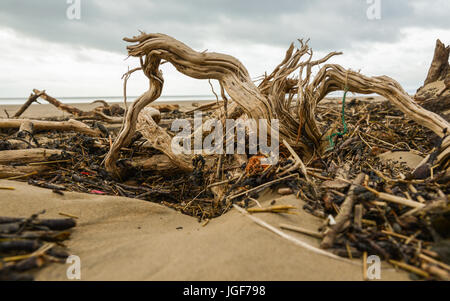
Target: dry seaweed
point(27, 244)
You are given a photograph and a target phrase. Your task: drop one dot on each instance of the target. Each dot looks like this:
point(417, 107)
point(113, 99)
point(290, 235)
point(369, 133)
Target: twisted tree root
point(296, 112)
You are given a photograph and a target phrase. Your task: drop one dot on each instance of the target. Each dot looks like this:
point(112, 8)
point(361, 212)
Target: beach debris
point(7, 188)
point(343, 216)
point(289, 237)
point(166, 108)
point(70, 125)
point(434, 95)
point(274, 209)
point(207, 106)
point(285, 191)
point(68, 215)
point(394, 208)
point(27, 244)
point(302, 230)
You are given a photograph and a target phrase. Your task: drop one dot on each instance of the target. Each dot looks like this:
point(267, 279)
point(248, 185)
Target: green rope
point(330, 138)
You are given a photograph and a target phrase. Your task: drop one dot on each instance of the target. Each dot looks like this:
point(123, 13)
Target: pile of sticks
point(28, 244)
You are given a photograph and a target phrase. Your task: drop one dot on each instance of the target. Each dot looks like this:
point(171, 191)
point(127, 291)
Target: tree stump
point(434, 95)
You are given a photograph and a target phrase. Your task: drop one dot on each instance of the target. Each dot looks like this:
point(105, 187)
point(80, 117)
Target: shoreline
point(45, 110)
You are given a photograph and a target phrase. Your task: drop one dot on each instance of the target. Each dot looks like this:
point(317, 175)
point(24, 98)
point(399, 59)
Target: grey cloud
point(331, 25)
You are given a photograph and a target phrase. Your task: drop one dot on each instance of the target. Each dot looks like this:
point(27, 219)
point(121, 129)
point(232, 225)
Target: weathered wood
point(64, 107)
point(80, 114)
point(33, 97)
point(161, 140)
point(440, 67)
point(26, 127)
point(8, 171)
point(267, 101)
point(165, 108)
point(343, 216)
point(156, 163)
point(434, 95)
point(24, 156)
point(40, 125)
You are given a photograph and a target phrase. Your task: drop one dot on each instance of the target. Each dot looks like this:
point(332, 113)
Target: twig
point(299, 162)
point(36, 253)
point(68, 215)
point(291, 238)
point(259, 187)
point(22, 176)
point(7, 188)
point(365, 266)
point(256, 202)
point(343, 216)
point(395, 199)
point(434, 261)
point(49, 162)
point(301, 230)
point(273, 209)
point(409, 268)
point(31, 99)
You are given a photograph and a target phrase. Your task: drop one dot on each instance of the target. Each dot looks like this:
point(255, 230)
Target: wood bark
point(434, 95)
point(96, 114)
point(7, 171)
point(39, 125)
point(161, 140)
point(343, 216)
point(156, 163)
point(440, 68)
point(33, 97)
point(24, 156)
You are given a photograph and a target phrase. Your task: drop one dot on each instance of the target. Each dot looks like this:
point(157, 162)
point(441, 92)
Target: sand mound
point(125, 239)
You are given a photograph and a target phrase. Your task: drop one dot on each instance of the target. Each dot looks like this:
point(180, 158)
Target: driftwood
point(343, 216)
point(16, 172)
point(268, 100)
point(302, 230)
point(33, 97)
point(96, 114)
point(26, 128)
point(206, 106)
point(440, 68)
point(40, 125)
point(160, 139)
point(399, 211)
point(156, 163)
point(434, 95)
point(165, 108)
point(24, 156)
point(64, 107)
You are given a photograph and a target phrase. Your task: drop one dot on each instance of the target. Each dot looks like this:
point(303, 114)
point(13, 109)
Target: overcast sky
point(41, 47)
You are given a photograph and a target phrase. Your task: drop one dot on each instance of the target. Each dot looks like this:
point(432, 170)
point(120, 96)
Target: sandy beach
point(119, 238)
point(175, 144)
point(46, 110)
point(125, 239)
